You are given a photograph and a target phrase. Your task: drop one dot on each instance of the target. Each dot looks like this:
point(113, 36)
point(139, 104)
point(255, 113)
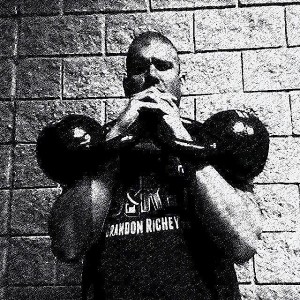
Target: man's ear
point(182, 77)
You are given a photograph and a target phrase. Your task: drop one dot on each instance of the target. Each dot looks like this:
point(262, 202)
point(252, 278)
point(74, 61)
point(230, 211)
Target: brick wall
point(63, 56)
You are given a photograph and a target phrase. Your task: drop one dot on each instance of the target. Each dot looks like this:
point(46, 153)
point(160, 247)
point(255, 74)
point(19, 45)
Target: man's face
point(157, 65)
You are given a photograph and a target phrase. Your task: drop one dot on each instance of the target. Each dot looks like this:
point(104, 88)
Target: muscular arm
point(229, 216)
point(78, 216)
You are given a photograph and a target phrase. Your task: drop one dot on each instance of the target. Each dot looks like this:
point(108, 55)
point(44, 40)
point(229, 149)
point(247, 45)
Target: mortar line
point(148, 5)
point(13, 99)
point(194, 31)
point(13, 138)
point(193, 8)
point(291, 111)
point(242, 71)
point(285, 28)
point(62, 70)
point(61, 7)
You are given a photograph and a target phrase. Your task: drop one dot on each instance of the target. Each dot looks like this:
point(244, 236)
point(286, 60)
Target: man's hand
point(169, 125)
point(165, 112)
point(128, 121)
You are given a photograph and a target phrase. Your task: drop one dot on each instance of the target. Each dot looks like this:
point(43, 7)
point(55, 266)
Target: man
point(164, 227)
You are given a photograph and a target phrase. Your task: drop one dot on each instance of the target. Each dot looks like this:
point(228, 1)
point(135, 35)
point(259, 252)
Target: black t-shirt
point(153, 245)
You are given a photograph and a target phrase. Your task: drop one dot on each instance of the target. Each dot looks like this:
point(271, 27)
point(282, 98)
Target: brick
point(31, 209)
point(271, 69)
point(278, 292)
point(27, 172)
point(8, 7)
point(162, 4)
point(38, 78)
point(4, 202)
point(210, 73)
point(295, 109)
point(273, 109)
point(39, 6)
point(7, 36)
point(3, 260)
point(243, 272)
point(103, 5)
point(45, 293)
point(247, 292)
point(94, 77)
point(61, 35)
point(114, 107)
point(5, 78)
point(68, 274)
point(279, 205)
point(33, 116)
point(214, 3)
point(292, 25)
point(276, 261)
point(266, 2)
point(5, 165)
point(31, 261)
point(6, 113)
point(283, 164)
point(122, 28)
point(239, 29)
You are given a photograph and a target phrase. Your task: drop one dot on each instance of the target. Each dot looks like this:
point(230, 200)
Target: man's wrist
point(178, 130)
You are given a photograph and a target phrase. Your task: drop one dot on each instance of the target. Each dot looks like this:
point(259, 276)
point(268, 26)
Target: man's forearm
point(226, 215)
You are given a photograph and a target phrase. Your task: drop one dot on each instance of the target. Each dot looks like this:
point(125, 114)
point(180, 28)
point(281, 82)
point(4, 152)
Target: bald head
point(145, 39)
point(152, 61)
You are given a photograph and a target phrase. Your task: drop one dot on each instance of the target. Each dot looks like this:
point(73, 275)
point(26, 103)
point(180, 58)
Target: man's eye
point(163, 65)
point(139, 69)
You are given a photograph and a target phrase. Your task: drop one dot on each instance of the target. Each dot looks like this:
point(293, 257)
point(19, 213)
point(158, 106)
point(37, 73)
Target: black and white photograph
point(150, 150)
